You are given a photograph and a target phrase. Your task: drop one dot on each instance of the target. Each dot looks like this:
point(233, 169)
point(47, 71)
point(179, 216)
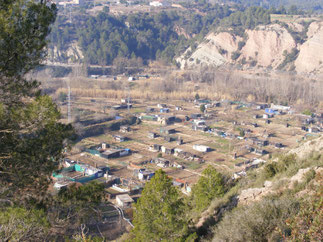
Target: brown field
point(223, 149)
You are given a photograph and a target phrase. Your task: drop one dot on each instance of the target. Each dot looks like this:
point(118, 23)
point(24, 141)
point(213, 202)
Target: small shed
point(119, 138)
point(217, 104)
point(152, 135)
point(195, 115)
point(131, 78)
point(279, 145)
point(124, 129)
point(260, 152)
point(167, 131)
point(157, 147)
point(164, 110)
point(150, 110)
point(167, 151)
point(161, 105)
point(124, 200)
point(168, 139)
point(202, 148)
point(145, 174)
point(270, 111)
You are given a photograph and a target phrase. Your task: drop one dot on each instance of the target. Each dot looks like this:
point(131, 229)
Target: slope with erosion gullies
point(274, 46)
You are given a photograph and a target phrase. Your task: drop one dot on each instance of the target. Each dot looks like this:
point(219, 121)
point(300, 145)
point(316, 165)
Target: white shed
point(124, 200)
point(202, 148)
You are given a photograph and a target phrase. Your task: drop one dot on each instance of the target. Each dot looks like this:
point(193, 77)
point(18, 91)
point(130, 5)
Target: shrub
point(307, 224)
point(222, 51)
point(235, 55)
point(257, 222)
point(241, 44)
point(202, 108)
point(270, 170)
point(208, 187)
point(62, 96)
point(307, 112)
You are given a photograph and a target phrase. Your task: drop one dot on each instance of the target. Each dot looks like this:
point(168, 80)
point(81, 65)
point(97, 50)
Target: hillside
point(275, 46)
point(262, 205)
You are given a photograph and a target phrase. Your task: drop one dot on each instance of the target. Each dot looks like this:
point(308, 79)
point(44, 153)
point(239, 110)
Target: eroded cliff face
point(216, 50)
point(263, 47)
point(310, 58)
point(266, 45)
point(72, 54)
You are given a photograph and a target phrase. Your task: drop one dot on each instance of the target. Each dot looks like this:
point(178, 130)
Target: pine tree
point(209, 186)
point(31, 138)
point(160, 212)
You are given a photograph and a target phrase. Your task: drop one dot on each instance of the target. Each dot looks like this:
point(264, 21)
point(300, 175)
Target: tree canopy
point(31, 137)
point(209, 186)
point(160, 212)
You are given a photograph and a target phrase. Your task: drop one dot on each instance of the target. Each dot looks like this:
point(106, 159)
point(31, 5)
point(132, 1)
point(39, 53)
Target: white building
point(124, 200)
point(160, 3)
point(201, 148)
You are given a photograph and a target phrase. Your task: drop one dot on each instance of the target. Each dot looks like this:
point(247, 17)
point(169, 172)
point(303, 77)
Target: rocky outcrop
point(265, 46)
point(72, 54)
point(215, 50)
point(310, 146)
point(310, 58)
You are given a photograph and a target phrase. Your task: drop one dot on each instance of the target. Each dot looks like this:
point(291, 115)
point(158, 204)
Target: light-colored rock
point(268, 184)
point(253, 194)
point(310, 58)
point(73, 54)
point(209, 51)
point(266, 45)
point(305, 149)
point(298, 177)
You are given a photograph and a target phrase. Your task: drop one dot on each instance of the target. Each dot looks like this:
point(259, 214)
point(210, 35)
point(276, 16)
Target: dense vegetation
point(310, 5)
point(142, 37)
point(149, 36)
point(163, 35)
point(247, 19)
point(32, 137)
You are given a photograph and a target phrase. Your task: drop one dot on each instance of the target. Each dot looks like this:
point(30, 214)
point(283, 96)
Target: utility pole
point(69, 104)
point(128, 97)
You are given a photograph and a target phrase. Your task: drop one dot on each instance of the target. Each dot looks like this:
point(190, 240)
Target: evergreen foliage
point(160, 212)
point(19, 224)
point(258, 221)
point(202, 108)
point(31, 137)
point(209, 186)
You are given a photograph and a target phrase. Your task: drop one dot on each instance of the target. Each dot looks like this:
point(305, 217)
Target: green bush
point(20, 224)
point(289, 58)
point(307, 112)
point(270, 170)
point(257, 222)
point(282, 165)
point(241, 44)
point(62, 96)
point(208, 187)
point(235, 55)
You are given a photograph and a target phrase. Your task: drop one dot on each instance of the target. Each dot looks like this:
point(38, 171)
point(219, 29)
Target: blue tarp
point(269, 110)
